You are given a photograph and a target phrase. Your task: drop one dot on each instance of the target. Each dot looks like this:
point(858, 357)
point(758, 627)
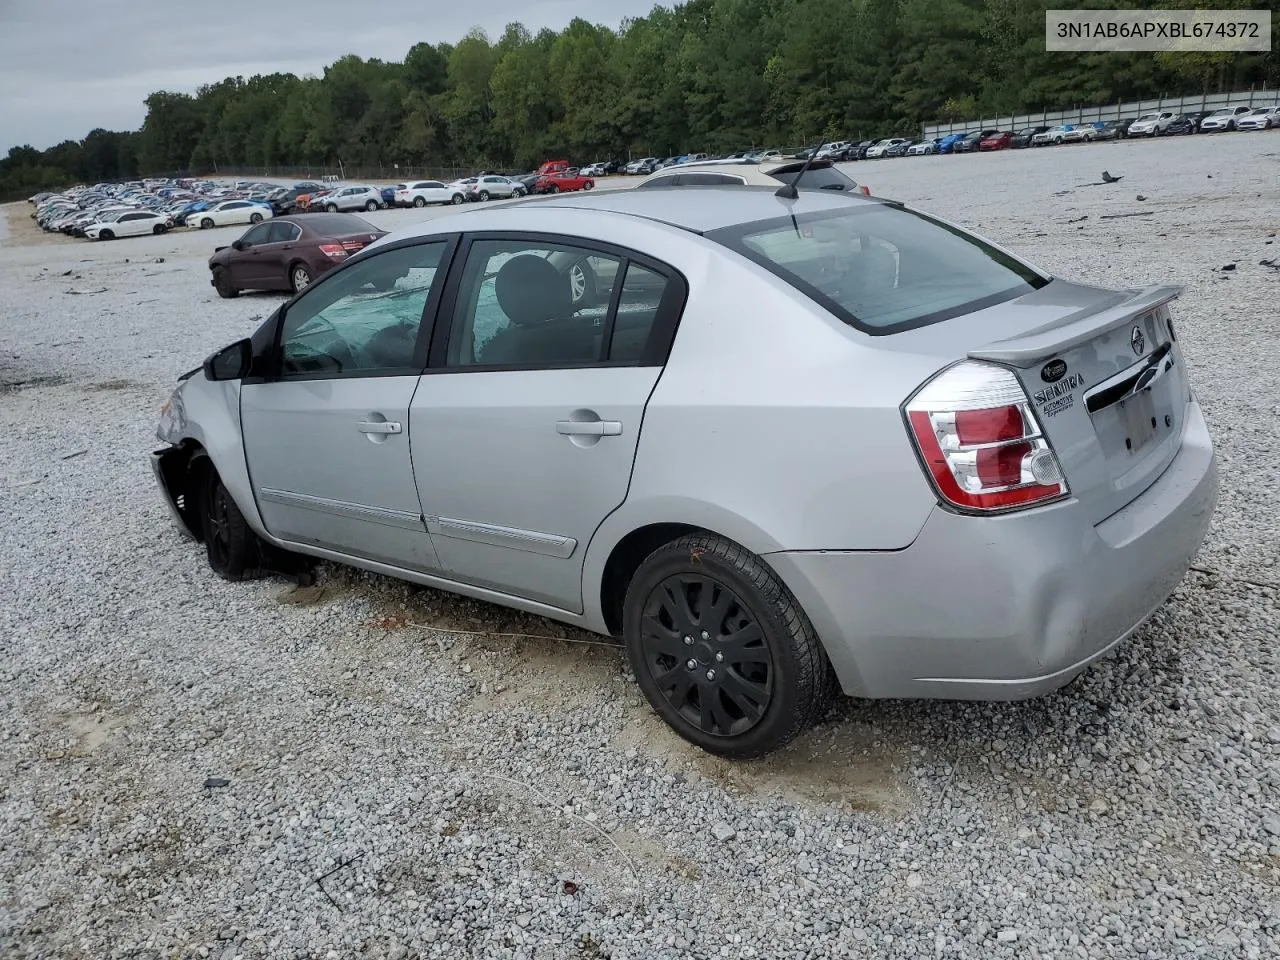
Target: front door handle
point(379, 426)
point(589, 428)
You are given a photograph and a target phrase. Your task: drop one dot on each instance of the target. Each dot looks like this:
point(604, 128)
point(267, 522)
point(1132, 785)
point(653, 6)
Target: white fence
point(1115, 111)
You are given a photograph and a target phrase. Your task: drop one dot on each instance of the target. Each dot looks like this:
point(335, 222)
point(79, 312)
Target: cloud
point(67, 66)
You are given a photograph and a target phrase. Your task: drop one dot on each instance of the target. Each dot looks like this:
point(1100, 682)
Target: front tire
point(106, 235)
point(222, 283)
point(255, 218)
point(231, 547)
point(206, 223)
point(589, 185)
point(721, 648)
point(158, 229)
point(332, 207)
point(371, 206)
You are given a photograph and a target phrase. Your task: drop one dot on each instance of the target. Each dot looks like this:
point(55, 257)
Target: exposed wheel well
point(623, 562)
point(183, 469)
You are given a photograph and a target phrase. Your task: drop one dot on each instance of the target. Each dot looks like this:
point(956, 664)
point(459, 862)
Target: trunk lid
point(1107, 384)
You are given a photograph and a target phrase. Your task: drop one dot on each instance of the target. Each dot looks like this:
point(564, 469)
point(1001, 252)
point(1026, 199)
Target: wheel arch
point(634, 531)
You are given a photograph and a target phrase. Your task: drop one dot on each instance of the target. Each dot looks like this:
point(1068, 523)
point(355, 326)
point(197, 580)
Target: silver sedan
point(777, 446)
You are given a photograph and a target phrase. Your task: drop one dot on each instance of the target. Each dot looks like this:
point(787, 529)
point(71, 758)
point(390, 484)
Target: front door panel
point(330, 465)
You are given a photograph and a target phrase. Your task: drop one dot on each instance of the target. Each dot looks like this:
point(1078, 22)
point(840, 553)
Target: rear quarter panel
point(772, 411)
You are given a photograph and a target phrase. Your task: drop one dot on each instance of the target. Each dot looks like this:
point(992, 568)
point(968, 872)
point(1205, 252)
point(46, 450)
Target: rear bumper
point(1007, 607)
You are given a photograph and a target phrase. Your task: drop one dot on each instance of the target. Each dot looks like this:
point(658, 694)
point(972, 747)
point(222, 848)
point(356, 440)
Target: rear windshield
point(881, 268)
point(817, 177)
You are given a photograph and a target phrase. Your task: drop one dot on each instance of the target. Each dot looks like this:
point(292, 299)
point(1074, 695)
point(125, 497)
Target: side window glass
point(642, 293)
point(277, 232)
point(530, 304)
point(255, 236)
point(366, 319)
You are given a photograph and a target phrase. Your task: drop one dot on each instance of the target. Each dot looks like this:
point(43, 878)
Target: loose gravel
point(364, 769)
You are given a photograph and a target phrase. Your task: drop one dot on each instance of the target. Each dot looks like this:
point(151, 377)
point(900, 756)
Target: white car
point(920, 149)
point(1262, 118)
point(228, 213)
point(422, 192)
point(354, 198)
point(1063, 133)
point(1226, 119)
point(1151, 124)
point(879, 149)
point(635, 166)
point(828, 150)
point(133, 223)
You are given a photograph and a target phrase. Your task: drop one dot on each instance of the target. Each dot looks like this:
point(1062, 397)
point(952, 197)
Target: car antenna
point(788, 191)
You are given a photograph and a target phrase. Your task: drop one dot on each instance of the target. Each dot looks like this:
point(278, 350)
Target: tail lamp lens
point(334, 251)
point(981, 442)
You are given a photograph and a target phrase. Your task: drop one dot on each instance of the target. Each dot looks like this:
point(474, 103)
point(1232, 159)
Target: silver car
point(354, 198)
point(493, 187)
point(775, 445)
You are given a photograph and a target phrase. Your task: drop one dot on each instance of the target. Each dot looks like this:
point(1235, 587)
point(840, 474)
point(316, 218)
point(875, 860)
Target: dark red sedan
point(1000, 140)
point(287, 253)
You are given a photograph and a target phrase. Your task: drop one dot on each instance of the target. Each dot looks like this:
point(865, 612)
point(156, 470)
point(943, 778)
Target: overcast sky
point(67, 66)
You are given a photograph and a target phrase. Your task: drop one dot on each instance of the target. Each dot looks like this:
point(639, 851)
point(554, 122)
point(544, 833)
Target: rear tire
point(760, 676)
point(255, 218)
point(231, 547)
point(419, 202)
point(222, 283)
point(458, 198)
point(299, 277)
point(371, 206)
point(484, 196)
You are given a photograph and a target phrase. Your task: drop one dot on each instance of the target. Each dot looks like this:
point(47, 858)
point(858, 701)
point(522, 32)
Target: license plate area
point(1138, 421)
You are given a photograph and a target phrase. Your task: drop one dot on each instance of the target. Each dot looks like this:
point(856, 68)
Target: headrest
point(530, 290)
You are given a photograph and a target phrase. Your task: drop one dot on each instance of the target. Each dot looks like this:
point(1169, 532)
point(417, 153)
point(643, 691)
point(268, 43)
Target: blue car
point(947, 143)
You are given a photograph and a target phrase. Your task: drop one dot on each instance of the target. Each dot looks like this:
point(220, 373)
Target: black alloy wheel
point(231, 547)
point(721, 649)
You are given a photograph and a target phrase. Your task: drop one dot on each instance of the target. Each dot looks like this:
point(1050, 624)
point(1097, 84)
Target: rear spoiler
point(1051, 340)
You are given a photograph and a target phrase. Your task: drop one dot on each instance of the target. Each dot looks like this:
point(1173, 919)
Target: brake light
point(334, 251)
point(980, 441)
point(866, 191)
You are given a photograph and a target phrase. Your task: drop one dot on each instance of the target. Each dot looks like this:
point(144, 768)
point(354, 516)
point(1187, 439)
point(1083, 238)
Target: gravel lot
point(477, 795)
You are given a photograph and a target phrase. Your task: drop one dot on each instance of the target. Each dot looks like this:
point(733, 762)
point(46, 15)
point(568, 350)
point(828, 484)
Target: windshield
point(882, 268)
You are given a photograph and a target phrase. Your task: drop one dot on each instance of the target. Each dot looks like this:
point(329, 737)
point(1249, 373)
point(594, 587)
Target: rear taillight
point(335, 251)
point(866, 191)
point(980, 440)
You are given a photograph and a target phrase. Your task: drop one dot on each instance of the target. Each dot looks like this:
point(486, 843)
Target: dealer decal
point(1059, 396)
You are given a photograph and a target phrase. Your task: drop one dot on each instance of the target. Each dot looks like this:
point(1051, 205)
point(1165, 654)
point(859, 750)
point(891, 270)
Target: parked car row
point(1148, 125)
point(107, 211)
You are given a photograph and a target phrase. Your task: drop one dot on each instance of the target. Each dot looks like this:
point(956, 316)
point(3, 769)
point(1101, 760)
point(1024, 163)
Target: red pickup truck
point(553, 166)
point(562, 182)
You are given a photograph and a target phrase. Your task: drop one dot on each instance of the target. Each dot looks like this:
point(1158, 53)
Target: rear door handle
point(589, 428)
point(379, 426)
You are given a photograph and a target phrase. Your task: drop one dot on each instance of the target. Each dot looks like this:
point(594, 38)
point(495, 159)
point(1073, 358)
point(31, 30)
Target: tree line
point(710, 75)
